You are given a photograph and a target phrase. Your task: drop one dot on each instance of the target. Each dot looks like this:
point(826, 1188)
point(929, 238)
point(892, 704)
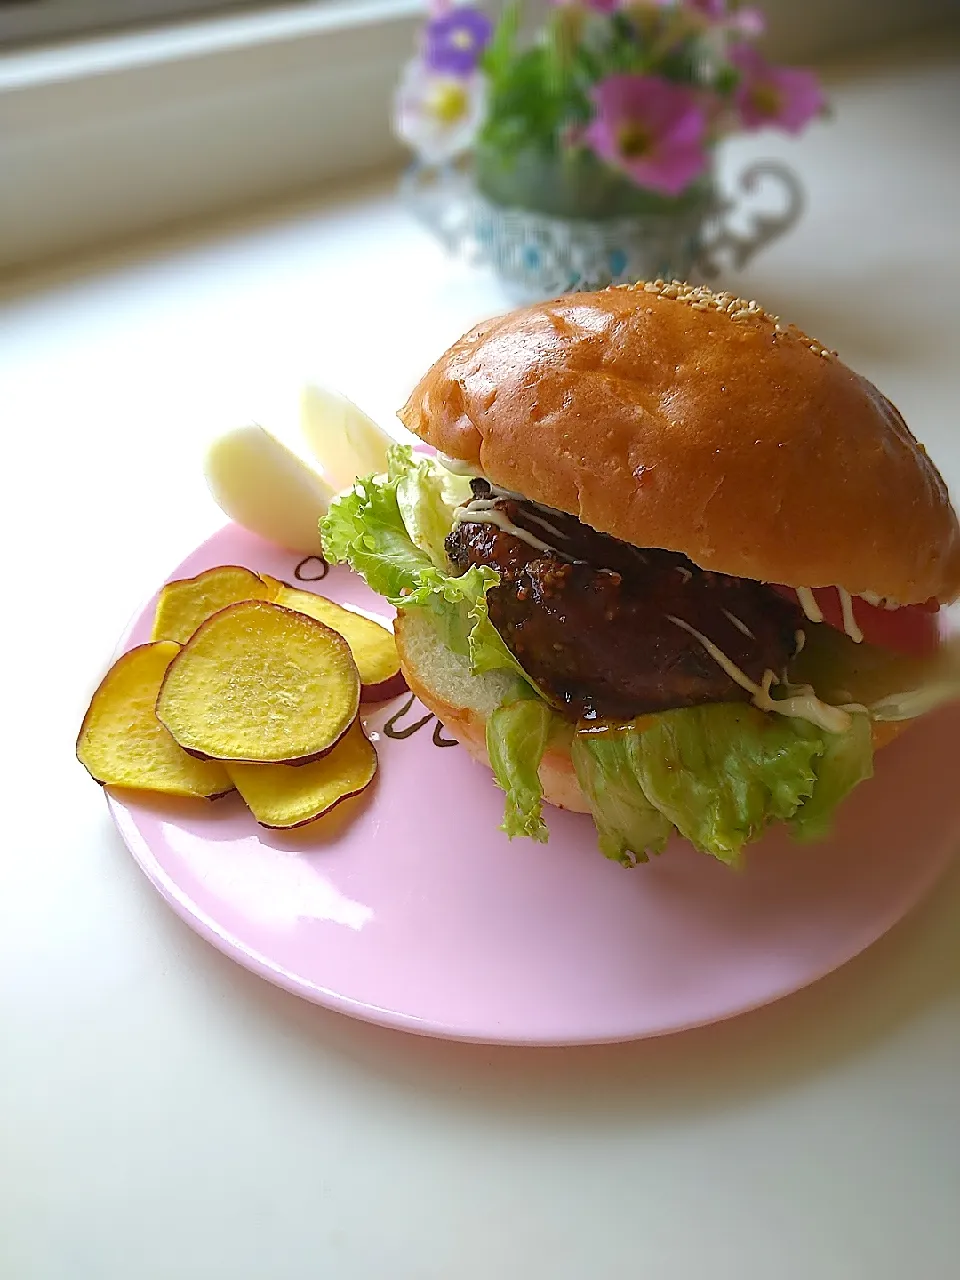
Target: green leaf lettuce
point(517, 735)
point(395, 543)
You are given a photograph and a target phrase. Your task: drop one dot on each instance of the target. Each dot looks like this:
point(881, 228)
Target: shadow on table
point(762, 1053)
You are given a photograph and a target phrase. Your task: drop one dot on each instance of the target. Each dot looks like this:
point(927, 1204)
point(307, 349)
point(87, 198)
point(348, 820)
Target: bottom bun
point(462, 702)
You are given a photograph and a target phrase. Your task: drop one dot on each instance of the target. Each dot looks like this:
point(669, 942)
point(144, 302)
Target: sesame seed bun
point(670, 416)
point(462, 702)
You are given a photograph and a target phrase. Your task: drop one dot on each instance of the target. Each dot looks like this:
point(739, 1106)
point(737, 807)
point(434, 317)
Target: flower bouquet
point(584, 155)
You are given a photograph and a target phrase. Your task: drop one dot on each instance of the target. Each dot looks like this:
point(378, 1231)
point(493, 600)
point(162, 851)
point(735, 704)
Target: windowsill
point(108, 138)
point(221, 33)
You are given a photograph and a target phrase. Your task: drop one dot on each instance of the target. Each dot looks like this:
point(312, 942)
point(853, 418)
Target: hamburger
point(672, 563)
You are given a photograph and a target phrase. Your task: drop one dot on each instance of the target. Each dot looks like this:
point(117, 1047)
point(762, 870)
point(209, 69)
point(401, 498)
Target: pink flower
point(747, 21)
point(726, 18)
point(650, 129)
point(769, 95)
point(739, 17)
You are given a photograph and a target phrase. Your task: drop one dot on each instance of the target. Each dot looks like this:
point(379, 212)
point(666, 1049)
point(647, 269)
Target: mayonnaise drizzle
point(880, 602)
point(497, 491)
point(808, 604)
point(720, 658)
point(544, 524)
point(913, 702)
point(849, 621)
point(804, 705)
point(457, 466)
point(485, 511)
point(739, 624)
point(813, 611)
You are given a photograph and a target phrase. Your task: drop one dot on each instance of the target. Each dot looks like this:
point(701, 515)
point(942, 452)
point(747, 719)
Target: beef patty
point(596, 622)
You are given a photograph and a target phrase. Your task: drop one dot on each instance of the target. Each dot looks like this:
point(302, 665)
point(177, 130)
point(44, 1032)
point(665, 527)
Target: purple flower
point(650, 129)
point(455, 40)
point(769, 95)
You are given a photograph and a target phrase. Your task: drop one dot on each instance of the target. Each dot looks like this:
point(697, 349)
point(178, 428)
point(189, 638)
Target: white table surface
point(166, 1114)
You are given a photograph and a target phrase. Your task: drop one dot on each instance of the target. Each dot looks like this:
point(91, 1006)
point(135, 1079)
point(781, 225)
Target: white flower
point(438, 116)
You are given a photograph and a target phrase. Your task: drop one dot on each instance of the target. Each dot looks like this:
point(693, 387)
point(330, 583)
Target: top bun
point(671, 416)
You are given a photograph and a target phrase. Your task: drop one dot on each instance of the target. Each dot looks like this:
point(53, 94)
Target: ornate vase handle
point(764, 227)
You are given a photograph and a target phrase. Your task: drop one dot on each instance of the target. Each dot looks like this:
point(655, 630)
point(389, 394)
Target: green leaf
point(727, 79)
point(426, 496)
point(526, 107)
point(629, 828)
point(498, 53)
point(367, 529)
point(722, 773)
point(517, 735)
point(847, 760)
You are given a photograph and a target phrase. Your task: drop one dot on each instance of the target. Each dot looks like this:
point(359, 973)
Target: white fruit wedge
point(345, 441)
point(264, 486)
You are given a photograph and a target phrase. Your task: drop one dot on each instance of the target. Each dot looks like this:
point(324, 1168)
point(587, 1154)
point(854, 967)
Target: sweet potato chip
point(279, 795)
point(372, 645)
point(123, 744)
point(185, 604)
point(260, 683)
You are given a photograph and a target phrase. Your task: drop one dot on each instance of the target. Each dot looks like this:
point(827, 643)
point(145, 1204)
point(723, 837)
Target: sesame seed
point(702, 298)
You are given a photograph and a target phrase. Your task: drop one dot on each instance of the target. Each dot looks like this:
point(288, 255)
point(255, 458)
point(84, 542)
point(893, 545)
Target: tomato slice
point(913, 629)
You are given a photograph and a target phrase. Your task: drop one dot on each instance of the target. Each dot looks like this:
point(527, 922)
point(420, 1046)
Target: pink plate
point(414, 911)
